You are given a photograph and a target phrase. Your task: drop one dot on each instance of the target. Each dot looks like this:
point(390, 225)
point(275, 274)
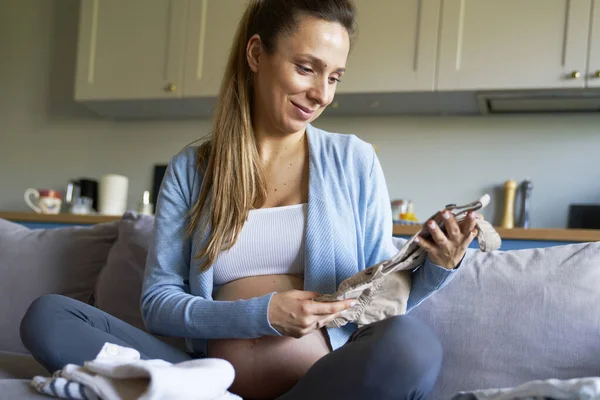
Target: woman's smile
point(304, 113)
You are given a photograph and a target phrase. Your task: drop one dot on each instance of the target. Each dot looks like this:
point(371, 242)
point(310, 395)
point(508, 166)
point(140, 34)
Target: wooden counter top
point(542, 234)
point(57, 219)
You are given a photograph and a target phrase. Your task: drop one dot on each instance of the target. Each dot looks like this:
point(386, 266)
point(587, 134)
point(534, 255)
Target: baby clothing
point(382, 290)
point(586, 388)
point(118, 373)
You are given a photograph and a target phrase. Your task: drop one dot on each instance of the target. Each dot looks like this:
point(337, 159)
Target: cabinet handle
point(575, 75)
point(597, 74)
point(171, 87)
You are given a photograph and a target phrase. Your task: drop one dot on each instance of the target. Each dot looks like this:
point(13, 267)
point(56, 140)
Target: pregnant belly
point(268, 366)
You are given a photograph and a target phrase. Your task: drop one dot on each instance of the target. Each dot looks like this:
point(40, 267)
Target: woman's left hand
point(448, 249)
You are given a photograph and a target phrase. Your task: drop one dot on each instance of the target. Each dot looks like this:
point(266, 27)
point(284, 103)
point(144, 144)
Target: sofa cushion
point(34, 262)
point(11, 389)
point(509, 317)
point(19, 366)
point(119, 287)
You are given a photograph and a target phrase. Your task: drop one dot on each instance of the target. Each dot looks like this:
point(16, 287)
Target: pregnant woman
point(260, 218)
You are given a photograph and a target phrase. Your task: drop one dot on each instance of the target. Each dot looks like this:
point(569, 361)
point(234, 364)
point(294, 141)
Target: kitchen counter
point(540, 234)
point(57, 219)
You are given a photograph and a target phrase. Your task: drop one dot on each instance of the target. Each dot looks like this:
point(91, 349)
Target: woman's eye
point(304, 70)
point(334, 80)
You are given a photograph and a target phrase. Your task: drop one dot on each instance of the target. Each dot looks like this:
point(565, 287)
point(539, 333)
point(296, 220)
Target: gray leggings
point(397, 358)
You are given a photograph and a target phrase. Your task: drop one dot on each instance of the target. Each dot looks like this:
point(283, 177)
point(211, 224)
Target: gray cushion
point(515, 316)
point(12, 389)
point(19, 366)
point(34, 262)
point(119, 285)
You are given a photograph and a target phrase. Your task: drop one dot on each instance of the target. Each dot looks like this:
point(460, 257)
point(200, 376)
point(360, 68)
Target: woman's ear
point(253, 52)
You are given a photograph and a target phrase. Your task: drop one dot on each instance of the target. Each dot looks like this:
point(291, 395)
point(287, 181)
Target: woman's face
point(295, 83)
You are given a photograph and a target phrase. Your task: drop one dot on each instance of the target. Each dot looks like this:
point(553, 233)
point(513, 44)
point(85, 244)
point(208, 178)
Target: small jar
point(398, 207)
point(409, 214)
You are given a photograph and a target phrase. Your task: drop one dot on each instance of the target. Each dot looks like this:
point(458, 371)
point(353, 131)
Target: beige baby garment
point(382, 290)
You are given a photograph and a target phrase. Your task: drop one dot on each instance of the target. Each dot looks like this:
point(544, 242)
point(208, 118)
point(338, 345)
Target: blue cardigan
point(349, 228)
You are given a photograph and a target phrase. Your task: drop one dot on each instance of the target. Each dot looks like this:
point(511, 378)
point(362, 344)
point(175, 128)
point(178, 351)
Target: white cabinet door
point(396, 47)
point(211, 30)
point(513, 44)
point(594, 63)
point(130, 49)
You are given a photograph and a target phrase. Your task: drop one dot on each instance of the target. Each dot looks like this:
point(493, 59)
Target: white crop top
point(270, 242)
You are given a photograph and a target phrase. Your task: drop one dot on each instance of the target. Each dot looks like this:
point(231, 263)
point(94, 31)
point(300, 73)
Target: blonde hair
point(234, 181)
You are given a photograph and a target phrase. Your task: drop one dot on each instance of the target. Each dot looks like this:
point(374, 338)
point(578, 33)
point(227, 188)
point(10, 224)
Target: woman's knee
point(40, 314)
point(407, 349)
point(411, 339)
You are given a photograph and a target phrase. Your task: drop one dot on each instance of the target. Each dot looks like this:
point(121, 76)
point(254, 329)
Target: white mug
point(112, 195)
point(45, 201)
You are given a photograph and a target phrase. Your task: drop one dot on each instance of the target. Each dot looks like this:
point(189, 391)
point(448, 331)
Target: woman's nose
point(319, 93)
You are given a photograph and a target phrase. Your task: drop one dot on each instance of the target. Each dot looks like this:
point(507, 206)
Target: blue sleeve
point(167, 306)
point(426, 280)
point(379, 244)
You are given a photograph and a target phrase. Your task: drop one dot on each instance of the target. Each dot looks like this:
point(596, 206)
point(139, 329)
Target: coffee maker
point(82, 191)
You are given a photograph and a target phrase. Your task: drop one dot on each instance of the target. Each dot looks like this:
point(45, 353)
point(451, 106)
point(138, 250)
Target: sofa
point(507, 318)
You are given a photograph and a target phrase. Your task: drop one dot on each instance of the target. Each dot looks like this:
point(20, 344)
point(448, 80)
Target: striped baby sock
point(63, 388)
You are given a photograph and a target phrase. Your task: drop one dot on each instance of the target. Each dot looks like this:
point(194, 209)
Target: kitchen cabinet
point(395, 48)
point(395, 51)
point(514, 44)
point(211, 30)
point(408, 54)
point(594, 60)
point(130, 49)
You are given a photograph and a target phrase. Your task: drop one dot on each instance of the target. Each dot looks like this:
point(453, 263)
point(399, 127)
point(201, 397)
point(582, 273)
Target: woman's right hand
point(294, 313)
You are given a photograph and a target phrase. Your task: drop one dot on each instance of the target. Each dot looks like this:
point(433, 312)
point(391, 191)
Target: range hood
point(389, 104)
point(587, 101)
point(468, 102)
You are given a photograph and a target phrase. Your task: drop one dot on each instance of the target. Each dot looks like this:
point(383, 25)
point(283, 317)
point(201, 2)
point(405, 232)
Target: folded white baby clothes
point(587, 388)
point(118, 373)
point(382, 290)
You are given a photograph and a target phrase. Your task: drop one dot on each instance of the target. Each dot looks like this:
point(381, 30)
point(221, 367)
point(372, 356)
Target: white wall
point(436, 161)
point(47, 139)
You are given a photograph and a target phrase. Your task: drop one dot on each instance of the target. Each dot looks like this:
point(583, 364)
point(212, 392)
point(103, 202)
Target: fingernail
point(432, 225)
point(472, 215)
point(446, 215)
point(354, 303)
point(417, 240)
